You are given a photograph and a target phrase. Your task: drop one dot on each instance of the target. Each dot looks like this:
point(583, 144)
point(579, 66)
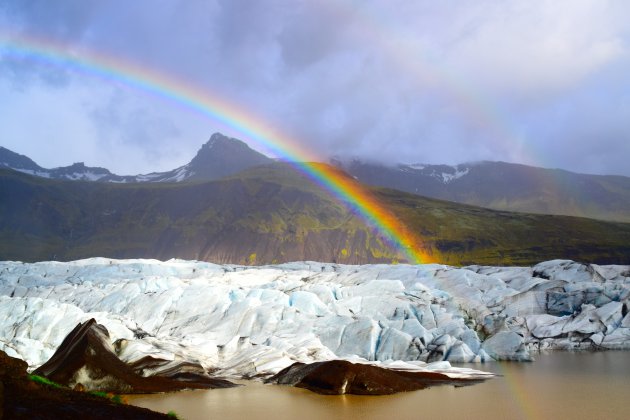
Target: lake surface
point(555, 386)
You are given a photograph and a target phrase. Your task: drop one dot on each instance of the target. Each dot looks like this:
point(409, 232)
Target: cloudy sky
point(538, 82)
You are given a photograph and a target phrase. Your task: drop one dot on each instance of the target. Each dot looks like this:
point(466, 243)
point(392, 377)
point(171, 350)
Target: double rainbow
point(171, 89)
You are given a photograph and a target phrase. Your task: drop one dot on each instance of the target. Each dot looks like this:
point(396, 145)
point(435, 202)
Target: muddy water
point(556, 386)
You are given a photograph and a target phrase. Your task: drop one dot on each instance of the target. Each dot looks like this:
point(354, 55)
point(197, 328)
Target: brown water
point(556, 386)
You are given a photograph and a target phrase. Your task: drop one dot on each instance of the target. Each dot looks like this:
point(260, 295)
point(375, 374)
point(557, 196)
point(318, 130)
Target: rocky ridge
point(220, 156)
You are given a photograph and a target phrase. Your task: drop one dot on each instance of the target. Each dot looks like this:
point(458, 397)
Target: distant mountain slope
point(495, 185)
point(461, 234)
point(272, 214)
point(506, 186)
point(21, 163)
point(219, 157)
point(239, 220)
point(75, 172)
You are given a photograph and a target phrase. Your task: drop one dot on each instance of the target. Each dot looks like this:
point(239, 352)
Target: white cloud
point(538, 46)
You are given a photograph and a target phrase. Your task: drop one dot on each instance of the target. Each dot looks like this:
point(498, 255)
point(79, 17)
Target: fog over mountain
point(538, 83)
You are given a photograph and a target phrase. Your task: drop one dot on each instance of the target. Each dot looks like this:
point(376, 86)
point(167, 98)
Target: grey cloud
point(416, 81)
point(63, 19)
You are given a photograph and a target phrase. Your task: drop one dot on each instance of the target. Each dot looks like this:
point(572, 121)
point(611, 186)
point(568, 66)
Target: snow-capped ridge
point(220, 156)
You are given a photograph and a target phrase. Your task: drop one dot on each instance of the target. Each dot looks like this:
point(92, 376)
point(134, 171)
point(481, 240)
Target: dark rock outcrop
point(86, 357)
point(22, 398)
point(337, 377)
point(223, 156)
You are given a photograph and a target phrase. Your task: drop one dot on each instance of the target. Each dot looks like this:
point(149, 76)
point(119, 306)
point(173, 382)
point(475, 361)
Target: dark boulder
point(337, 377)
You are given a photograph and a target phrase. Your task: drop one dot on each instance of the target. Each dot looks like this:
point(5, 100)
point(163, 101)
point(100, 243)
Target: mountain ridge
point(272, 214)
point(220, 156)
point(494, 185)
point(506, 186)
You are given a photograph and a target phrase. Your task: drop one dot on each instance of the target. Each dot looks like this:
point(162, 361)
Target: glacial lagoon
point(557, 385)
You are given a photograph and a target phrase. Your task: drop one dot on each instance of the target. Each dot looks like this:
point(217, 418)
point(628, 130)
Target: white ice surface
point(248, 321)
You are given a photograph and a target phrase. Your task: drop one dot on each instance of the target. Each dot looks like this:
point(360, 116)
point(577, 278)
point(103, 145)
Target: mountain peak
point(220, 141)
point(222, 156)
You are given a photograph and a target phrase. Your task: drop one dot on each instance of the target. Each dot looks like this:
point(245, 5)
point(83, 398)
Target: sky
point(539, 82)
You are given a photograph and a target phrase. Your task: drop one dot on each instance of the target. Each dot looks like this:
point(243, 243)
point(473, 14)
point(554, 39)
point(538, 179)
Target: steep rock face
point(222, 156)
point(336, 377)
point(22, 398)
point(219, 157)
point(86, 357)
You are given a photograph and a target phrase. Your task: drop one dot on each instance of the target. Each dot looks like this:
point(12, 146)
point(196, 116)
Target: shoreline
point(577, 388)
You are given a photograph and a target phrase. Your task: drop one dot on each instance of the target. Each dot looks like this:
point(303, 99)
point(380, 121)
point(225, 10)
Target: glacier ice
point(240, 321)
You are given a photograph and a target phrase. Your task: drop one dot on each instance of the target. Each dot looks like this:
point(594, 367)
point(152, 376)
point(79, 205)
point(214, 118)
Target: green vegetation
point(110, 396)
point(271, 214)
point(44, 381)
point(460, 234)
point(172, 415)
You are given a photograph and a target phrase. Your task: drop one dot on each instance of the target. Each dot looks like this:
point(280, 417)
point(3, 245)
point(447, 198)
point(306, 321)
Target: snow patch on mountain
point(41, 174)
point(446, 178)
point(442, 173)
point(84, 176)
point(417, 166)
point(178, 175)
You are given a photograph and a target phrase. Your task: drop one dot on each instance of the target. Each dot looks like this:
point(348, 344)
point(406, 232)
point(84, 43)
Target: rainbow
point(237, 117)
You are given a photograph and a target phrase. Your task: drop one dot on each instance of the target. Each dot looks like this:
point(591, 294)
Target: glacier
point(247, 322)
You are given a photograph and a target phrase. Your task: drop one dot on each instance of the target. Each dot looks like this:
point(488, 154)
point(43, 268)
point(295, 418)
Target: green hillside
point(248, 220)
point(461, 234)
point(271, 214)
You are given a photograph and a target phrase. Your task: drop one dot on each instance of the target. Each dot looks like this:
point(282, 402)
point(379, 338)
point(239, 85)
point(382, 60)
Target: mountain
point(506, 186)
point(218, 157)
point(75, 172)
point(270, 214)
point(266, 215)
point(21, 163)
point(494, 185)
